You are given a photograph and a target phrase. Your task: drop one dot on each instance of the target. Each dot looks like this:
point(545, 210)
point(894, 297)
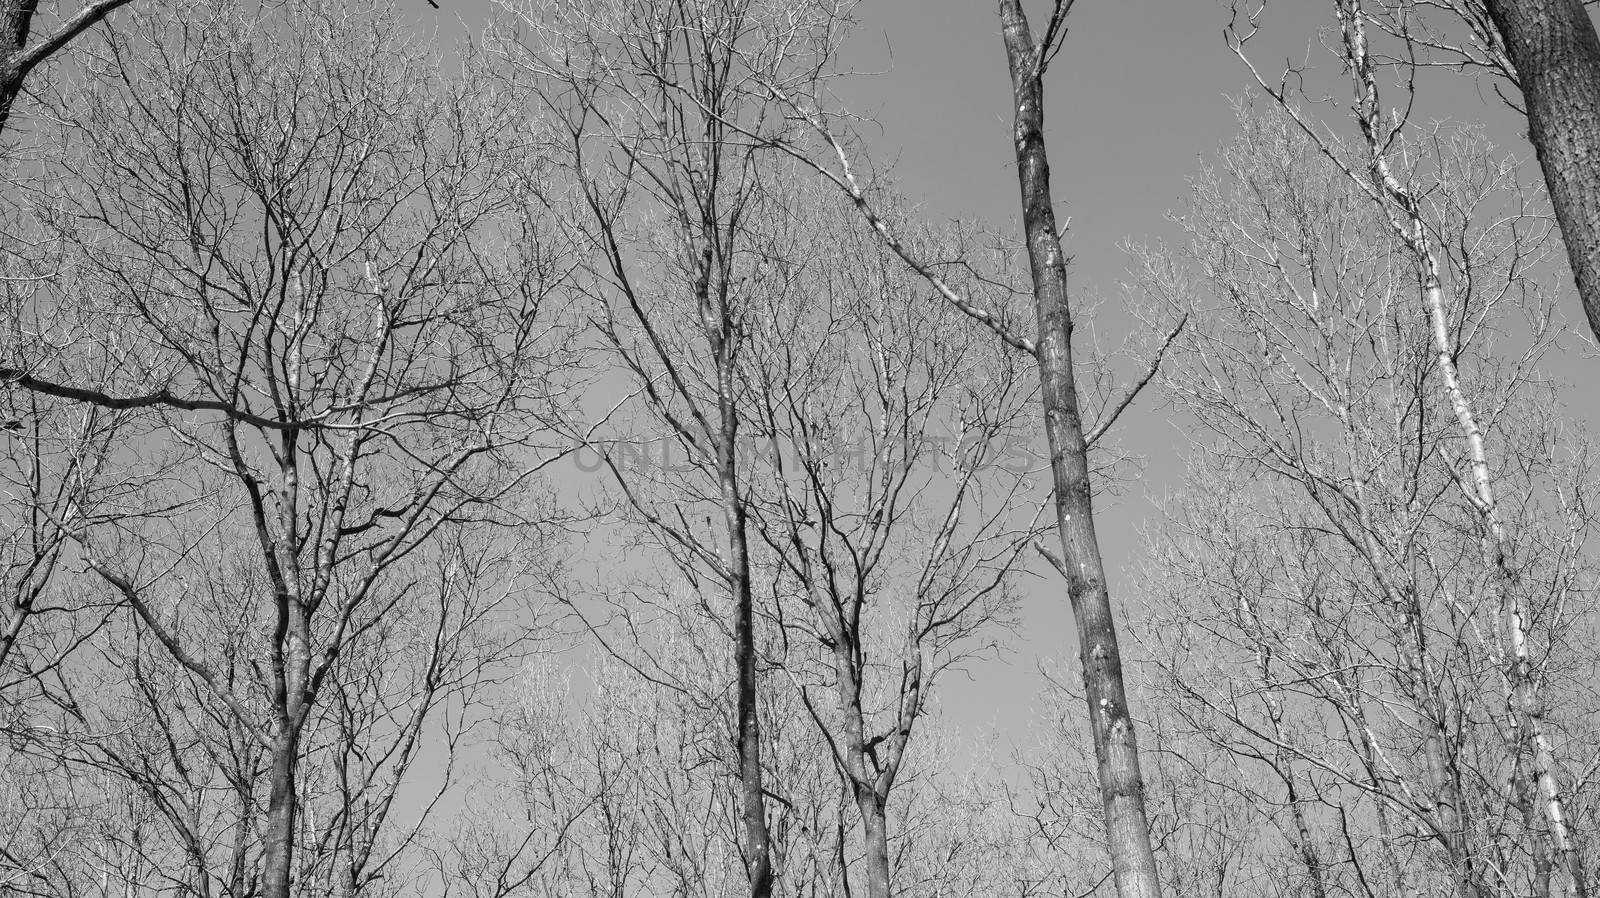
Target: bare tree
point(1375, 169)
point(1338, 550)
point(1106, 696)
point(1544, 59)
point(298, 244)
point(896, 495)
point(626, 791)
point(656, 101)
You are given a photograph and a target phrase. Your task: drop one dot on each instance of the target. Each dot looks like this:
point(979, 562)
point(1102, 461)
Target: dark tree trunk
point(16, 21)
point(1111, 723)
point(1315, 879)
point(291, 698)
point(17, 57)
point(757, 848)
point(1556, 52)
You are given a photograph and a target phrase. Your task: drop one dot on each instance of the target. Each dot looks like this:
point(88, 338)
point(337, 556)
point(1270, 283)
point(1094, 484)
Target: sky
point(1141, 95)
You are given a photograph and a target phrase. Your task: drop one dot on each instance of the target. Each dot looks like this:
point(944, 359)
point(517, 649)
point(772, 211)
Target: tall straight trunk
point(757, 847)
point(1443, 797)
point(1111, 722)
point(283, 799)
point(1387, 839)
point(1443, 774)
point(1528, 704)
point(1284, 762)
point(1307, 847)
point(1572, 45)
point(1556, 52)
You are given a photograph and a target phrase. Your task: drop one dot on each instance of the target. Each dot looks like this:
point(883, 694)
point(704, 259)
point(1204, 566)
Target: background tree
point(644, 94)
point(895, 496)
point(1336, 548)
point(294, 238)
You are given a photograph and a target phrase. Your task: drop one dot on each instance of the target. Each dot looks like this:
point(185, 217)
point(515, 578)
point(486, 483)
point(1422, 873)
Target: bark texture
point(1111, 723)
point(1556, 52)
point(752, 800)
point(757, 843)
point(18, 57)
point(16, 21)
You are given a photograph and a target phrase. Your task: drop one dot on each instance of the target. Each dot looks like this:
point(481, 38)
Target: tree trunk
point(17, 58)
point(16, 21)
point(1307, 846)
point(278, 851)
point(1111, 723)
point(869, 789)
point(1556, 52)
point(1524, 797)
point(875, 828)
point(757, 848)
point(1529, 711)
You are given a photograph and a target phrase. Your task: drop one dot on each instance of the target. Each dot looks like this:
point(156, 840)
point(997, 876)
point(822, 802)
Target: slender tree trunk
point(1556, 52)
point(1529, 711)
point(1449, 808)
point(1283, 762)
point(1307, 847)
point(1405, 213)
point(757, 848)
point(1111, 722)
point(1387, 838)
